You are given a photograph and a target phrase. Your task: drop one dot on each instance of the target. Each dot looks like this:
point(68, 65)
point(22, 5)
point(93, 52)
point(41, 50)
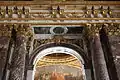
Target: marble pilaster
point(101, 72)
point(113, 34)
point(19, 55)
point(97, 55)
point(115, 48)
point(5, 34)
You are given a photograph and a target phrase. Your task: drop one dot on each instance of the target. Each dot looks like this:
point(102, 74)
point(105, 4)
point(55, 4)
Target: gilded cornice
point(59, 13)
point(27, 3)
point(5, 30)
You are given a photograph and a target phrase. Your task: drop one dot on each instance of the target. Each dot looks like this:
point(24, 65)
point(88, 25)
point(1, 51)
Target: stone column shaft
point(5, 34)
point(19, 55)
point(97, 54)
point(101, 72)
point(4, 44)
point(18, 60)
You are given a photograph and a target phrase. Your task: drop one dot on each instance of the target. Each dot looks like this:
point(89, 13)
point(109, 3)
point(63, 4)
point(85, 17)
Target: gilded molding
point(5, 30)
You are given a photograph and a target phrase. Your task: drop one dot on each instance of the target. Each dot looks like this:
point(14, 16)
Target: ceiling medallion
point(58, 30)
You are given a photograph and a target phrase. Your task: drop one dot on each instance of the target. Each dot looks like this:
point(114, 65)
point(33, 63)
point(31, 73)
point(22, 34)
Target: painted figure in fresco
point(57, 76)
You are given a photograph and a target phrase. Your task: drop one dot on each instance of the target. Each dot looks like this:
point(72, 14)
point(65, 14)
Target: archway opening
point(58, 63)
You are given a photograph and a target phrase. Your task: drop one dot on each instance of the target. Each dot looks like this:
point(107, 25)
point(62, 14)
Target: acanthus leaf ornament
point(23, 30)
point(112, 29)
point(93, 29)
point(5, 30)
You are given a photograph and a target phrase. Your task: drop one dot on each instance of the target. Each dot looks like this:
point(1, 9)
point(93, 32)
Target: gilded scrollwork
point(58, 40)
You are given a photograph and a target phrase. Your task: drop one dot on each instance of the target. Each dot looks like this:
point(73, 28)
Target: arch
point(78, 51)
point(57, 49)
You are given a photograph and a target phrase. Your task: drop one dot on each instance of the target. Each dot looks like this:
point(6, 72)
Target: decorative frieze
point(98, 11)
point(60, 13)
point(58, 40)
point(14, 12)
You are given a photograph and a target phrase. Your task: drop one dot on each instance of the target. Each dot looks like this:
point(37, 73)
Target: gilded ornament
point(10, 13)
point(2, 13)
point(19, 13)
point(26, 13)
point(109, 11)
point(95, 12)
point(113, 29)
point(88, 12)
point(61, 11)
point(23, 30)
point(93, 29)
point(5, 30)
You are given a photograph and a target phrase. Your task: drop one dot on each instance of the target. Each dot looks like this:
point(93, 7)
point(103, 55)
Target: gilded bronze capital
point(23, 30)
point(5, 30)
point(93, 29)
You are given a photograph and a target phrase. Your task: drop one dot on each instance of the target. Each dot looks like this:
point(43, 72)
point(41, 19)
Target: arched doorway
point(62, 64)
point(59, 49)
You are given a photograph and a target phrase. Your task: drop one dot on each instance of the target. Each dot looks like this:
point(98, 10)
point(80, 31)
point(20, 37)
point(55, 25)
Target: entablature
point(59, 12)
